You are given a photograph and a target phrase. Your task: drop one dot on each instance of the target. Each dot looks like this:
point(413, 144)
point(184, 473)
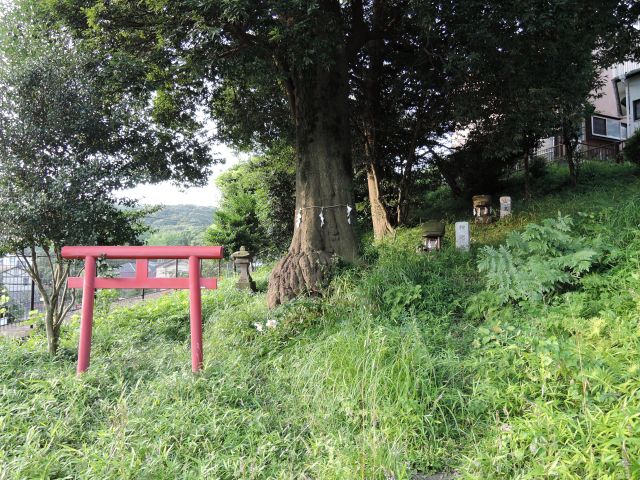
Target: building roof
point(632, 73)
point(625, 70)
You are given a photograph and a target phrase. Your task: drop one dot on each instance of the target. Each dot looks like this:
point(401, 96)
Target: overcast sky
point(167, 194)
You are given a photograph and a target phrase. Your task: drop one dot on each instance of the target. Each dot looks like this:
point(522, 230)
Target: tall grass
point(385, 377)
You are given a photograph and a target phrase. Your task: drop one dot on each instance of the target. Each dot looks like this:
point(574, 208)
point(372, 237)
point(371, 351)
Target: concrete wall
point(607, 103)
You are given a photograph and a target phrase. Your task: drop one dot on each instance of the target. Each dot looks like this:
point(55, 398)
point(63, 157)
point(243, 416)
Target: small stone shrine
point(242, 260)
point(432, 235)
point(482, 210)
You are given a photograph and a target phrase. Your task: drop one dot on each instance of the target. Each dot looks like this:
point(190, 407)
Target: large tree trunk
point(323, 182)
point(53, 308)
point(379, 213)
point(402, 211)
point(406, 181)
point(570, 143)
point(53, 332)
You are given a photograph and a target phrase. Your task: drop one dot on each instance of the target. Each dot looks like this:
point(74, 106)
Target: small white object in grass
point(505, 206)
point(272, 323)
point(259, 326)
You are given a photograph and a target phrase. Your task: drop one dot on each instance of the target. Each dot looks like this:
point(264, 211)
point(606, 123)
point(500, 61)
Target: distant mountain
point(181, 216)
point(179, 224)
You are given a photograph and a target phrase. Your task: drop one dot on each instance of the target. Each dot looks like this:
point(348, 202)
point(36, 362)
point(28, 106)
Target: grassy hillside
point(409, 365)
point(179, 224)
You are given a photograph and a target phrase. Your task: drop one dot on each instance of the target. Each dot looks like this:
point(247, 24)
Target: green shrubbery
point(631, 150)
point(539, 260)
point(257, 205)
point(562, 379)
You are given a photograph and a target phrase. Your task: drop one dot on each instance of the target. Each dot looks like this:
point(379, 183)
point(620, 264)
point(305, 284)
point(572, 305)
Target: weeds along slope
point(340, 388)
point(410, 364)
point(560, 370)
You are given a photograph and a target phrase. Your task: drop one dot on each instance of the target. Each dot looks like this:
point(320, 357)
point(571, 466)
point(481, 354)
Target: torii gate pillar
point(142, 255)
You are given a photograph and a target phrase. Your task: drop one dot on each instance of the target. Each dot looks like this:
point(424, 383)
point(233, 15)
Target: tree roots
point(298, 273)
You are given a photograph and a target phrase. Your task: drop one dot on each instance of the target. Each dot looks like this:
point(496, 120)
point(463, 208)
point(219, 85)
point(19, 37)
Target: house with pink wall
point(617, 108)
point(603, 132)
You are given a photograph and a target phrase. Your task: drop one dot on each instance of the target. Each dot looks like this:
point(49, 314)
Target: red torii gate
point(142, 255)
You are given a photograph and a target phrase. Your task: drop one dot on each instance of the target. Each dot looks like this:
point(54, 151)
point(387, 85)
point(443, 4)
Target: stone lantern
point(242, 259)
point(432, 235)
point(482, 210)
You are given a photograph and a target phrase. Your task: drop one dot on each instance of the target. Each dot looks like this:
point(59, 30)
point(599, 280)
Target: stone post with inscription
point(463, 236)
point(505, 207)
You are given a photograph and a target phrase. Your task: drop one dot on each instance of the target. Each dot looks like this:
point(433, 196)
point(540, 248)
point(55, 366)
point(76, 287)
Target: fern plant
point(539, 260)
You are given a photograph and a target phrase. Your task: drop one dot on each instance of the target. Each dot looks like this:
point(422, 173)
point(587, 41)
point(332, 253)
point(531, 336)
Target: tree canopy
point(257, 198)
point(66, 144)
point(532, 68)
point(56, 183)
point(384, 80)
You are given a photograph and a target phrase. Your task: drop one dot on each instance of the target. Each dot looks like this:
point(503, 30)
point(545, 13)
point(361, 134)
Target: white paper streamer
point(321, 215)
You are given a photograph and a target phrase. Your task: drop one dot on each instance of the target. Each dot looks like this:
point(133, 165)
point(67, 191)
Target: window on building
point(599, 126)
point(636, 109)
point(611, 128)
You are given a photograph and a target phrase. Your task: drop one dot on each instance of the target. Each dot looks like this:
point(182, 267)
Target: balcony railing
point(608, 152)
point(621, 69)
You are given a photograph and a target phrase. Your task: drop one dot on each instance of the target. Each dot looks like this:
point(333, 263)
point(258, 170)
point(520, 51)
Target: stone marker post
point(463, 236)
point(505, 207)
